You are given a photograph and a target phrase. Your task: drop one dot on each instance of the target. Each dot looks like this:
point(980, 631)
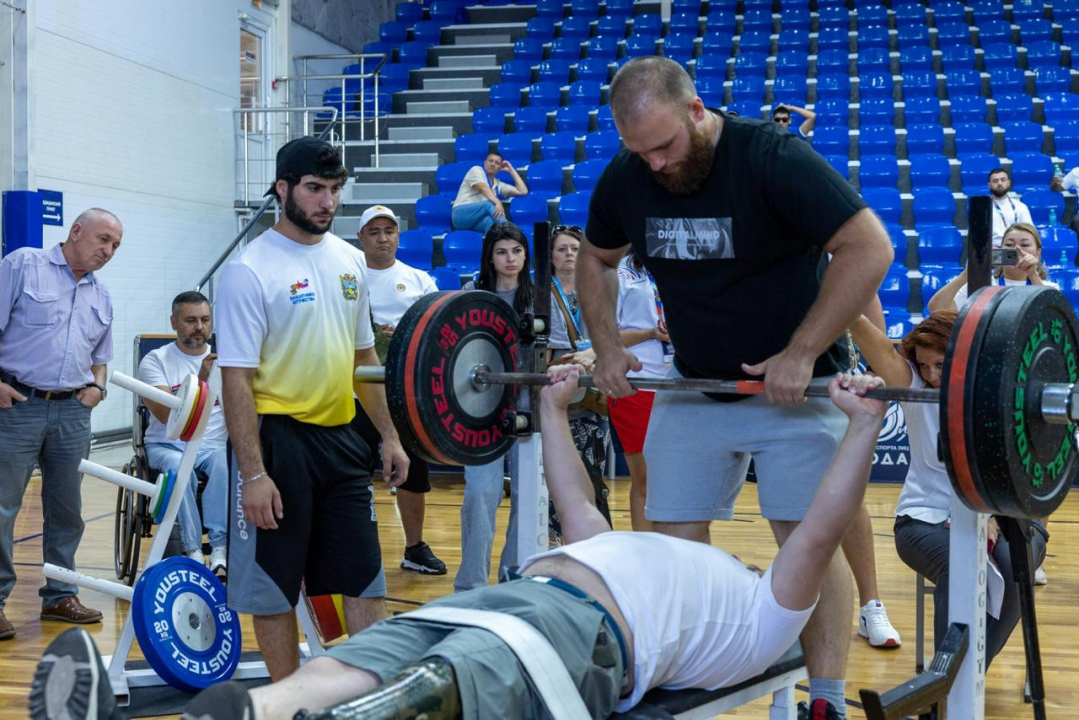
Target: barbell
point(1008, 398)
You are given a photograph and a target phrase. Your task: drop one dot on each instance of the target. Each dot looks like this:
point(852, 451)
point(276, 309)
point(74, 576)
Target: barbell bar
point(1008, 398)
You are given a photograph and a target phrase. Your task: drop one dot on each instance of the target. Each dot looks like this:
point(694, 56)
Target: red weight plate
point(410, 380)
point(193, 421)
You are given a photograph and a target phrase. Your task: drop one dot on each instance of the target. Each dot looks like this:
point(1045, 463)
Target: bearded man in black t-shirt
point(733, 218)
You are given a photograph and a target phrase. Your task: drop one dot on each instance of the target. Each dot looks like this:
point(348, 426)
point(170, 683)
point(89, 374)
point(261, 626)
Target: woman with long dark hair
point(504, 270)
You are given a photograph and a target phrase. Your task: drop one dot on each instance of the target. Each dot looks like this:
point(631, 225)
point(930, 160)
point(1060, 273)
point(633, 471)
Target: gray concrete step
point(437, 107)
point(373, 175)
point(361, 154)
point(446, 60)
point(430, 132)
point(485, 39)
point(372, 193)
point(409, 160)
point(456, 83)
point(489, 74)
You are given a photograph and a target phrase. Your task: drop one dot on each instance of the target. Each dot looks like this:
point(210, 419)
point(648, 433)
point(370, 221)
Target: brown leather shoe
point(7, 630)
point(72, 611)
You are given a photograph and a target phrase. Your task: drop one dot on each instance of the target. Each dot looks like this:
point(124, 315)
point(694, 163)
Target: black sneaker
point(224, 701)
point(819, 709)
point(71, 682)
point(420, 558)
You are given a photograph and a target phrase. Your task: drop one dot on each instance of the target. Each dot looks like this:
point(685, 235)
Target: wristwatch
point(104, 391)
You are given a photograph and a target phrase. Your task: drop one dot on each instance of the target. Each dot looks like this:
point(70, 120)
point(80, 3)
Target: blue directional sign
point(52, 203)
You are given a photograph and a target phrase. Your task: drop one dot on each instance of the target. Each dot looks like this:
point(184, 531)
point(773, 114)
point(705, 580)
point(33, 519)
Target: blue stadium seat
point(505, 96)
point(832, 140)
point(679, 48)
point(648, 24)
point(876, 140)
point(718, 43)
point(999, 56)
point(602, 144)
point(994, 31)
point(963, 82)
point(790, 88)
point(433, 212)
point(554, 70)
point(584, 8)
point(619, 8)
point(925, 138)
point(1066, 137)
point(393, 78)
point(428, 32)
point(545, 94)
point(1014, 108)
point(969, 109)
point(585, 92)
point(379, 48)
point(878, 171)
point(886, 202)
point(909, 35)
point(899, 240)
point(1030, 169)
point(1008, 81)
point(611, 26)
point(586, 174)
point(593, 70)
point(933, 206)
point(949, 12)
point(874, 60)
point(331, 97)
point(975, 170)
point(794, 40)
point(1043, 54)
point(527, 210)
point(872, 16)
point(917, 58)
point(416, 248)
point(919, 84)
point(832, 111)
point(573, 209)
point(517, 72)
point(604, 119)
point(833, 61)
point(638, 45)
point(530, 120)
point(878, 85)
point(408, 13)
point(694, 6)
point(710, 90)
point(987, 10)
point(412, 55)
point(874, 37)
point(489, 122)
point(954, 33)
point(833, 17)
point(602, 48)
point(833, 38)
point(973, 137)
point(930, 170)
point(1041, 201)
point(750, 63)
point(757, 20)
point(894, 291)
point(550, 8)
point(1060, 106)
point(516, 148)
point(833, 86)
point(747, 108)
point(1022, 136)
point(748, 88)
point(471, 149)
point(910, 14)
point(530, 49)
point(921, 110)
point(393, 32)
point(540, 28)
point(711, 66)
point(448, 178)
point(1034, 31)
point(957, 57)
point(572, 118)
point(461, 248)
point(444, 11)
point(560, 146)
point(876, 111)
point(841, 163)
point(1064, 10)
point(936, 277)
point(567, 49)
point(1052, 80)
point(755, 41)
point(685, 23)
point(794, 17)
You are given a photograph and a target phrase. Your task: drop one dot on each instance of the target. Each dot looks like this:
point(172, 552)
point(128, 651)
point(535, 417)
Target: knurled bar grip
point(115, 589)
point(147, 391)
point(118, 478)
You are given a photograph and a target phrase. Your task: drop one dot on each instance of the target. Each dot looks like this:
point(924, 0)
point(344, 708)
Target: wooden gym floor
point(748, 535)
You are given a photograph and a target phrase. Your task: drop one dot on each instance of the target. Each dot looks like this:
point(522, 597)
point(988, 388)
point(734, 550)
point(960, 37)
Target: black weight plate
point(1026, 464)
point(453, 421)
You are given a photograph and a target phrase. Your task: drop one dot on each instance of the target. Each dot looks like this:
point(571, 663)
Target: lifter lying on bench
point(625, 611)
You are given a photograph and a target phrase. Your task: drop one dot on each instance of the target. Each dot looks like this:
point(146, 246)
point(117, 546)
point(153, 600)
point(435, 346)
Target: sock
point(831, 689)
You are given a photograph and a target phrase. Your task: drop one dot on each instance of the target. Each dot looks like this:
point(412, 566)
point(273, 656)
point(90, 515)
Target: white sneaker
point(219, 560)
point(197, 556)
point(874, 626)
point(1040, 578)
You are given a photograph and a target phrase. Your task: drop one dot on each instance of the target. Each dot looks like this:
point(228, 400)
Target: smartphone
point(1005, 257)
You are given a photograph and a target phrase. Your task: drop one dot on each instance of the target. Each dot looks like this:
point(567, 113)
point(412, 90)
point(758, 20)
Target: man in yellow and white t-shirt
point(293, 323)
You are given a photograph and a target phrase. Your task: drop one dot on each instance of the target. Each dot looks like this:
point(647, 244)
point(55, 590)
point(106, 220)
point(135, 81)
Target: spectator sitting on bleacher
point(1067, 183)
point(1030, 269)
point(393, 287)
point(1007, 211)
point(166, 368)
point(781, 114)
point(478, 205)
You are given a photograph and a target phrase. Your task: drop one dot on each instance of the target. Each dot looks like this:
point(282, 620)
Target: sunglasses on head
point(559, 229)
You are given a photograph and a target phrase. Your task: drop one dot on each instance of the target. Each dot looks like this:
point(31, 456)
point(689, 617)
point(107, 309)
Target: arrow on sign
point(51, 217)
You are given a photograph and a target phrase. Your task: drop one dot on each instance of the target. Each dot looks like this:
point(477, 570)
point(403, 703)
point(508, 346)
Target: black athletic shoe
point(420, 558)
point(70, 681)
point(224, 701)
point(819, 709)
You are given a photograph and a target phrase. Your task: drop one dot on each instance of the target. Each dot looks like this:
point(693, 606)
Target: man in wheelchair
point(166, 369)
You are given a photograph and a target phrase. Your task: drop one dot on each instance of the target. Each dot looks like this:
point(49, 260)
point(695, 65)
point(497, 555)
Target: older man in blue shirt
point(55, 341)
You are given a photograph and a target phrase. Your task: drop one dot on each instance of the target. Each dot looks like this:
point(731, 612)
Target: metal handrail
point(269, 200)
point(363, 75)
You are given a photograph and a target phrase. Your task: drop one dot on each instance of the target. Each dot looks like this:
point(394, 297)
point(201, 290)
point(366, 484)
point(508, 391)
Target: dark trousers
point(923, 547)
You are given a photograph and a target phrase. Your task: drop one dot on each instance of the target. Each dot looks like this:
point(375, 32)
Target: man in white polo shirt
point(394, 286)
point(166, 368)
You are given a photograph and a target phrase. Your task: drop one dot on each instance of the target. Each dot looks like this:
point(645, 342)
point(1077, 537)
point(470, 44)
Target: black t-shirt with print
point(737, 263)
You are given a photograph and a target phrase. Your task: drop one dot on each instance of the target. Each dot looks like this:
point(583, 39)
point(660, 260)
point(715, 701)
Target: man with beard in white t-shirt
point(394, 286)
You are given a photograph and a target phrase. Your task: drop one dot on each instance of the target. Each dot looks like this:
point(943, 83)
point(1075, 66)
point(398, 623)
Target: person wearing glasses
point(478, 204)
point(781, 115)
point(393, 287)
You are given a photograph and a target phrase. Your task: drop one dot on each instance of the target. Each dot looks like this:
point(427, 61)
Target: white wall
point(133, 110)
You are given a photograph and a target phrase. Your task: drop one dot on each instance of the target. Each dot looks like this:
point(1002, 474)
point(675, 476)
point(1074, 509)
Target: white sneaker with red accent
point(874, 626)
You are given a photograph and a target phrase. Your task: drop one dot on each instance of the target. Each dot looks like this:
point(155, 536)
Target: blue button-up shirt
point(52, 327)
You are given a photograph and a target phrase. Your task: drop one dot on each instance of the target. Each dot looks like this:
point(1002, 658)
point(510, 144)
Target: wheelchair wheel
point(127, 533)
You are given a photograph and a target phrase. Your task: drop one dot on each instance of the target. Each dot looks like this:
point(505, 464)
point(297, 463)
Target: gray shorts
point(698, 451)
point(490, 680)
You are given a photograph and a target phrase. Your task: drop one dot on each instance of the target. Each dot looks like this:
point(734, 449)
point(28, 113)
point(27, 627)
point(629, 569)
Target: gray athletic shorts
point(698, 451)
point(490, 680)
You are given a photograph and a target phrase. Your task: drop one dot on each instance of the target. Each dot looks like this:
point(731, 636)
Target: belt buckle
point(49, 394)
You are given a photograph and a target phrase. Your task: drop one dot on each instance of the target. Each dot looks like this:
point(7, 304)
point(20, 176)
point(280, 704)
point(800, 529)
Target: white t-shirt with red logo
point(169, 366)
point(394, 289)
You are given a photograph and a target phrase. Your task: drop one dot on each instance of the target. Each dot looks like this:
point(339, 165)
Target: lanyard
point(574, 313)
point(494, 187)
point(1002, 218)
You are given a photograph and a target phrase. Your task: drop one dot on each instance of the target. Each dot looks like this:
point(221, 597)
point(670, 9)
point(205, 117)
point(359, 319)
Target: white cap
point(377, 211)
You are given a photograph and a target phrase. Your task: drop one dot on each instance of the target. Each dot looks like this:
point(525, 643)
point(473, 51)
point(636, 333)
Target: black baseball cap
point(301, 156)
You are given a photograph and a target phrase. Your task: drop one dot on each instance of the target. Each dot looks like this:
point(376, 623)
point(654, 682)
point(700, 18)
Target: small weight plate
point(1025, 464)
point(196, 414)
point(452, 420)
point(187, 394)
point(162, 504)
point(185, 629)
